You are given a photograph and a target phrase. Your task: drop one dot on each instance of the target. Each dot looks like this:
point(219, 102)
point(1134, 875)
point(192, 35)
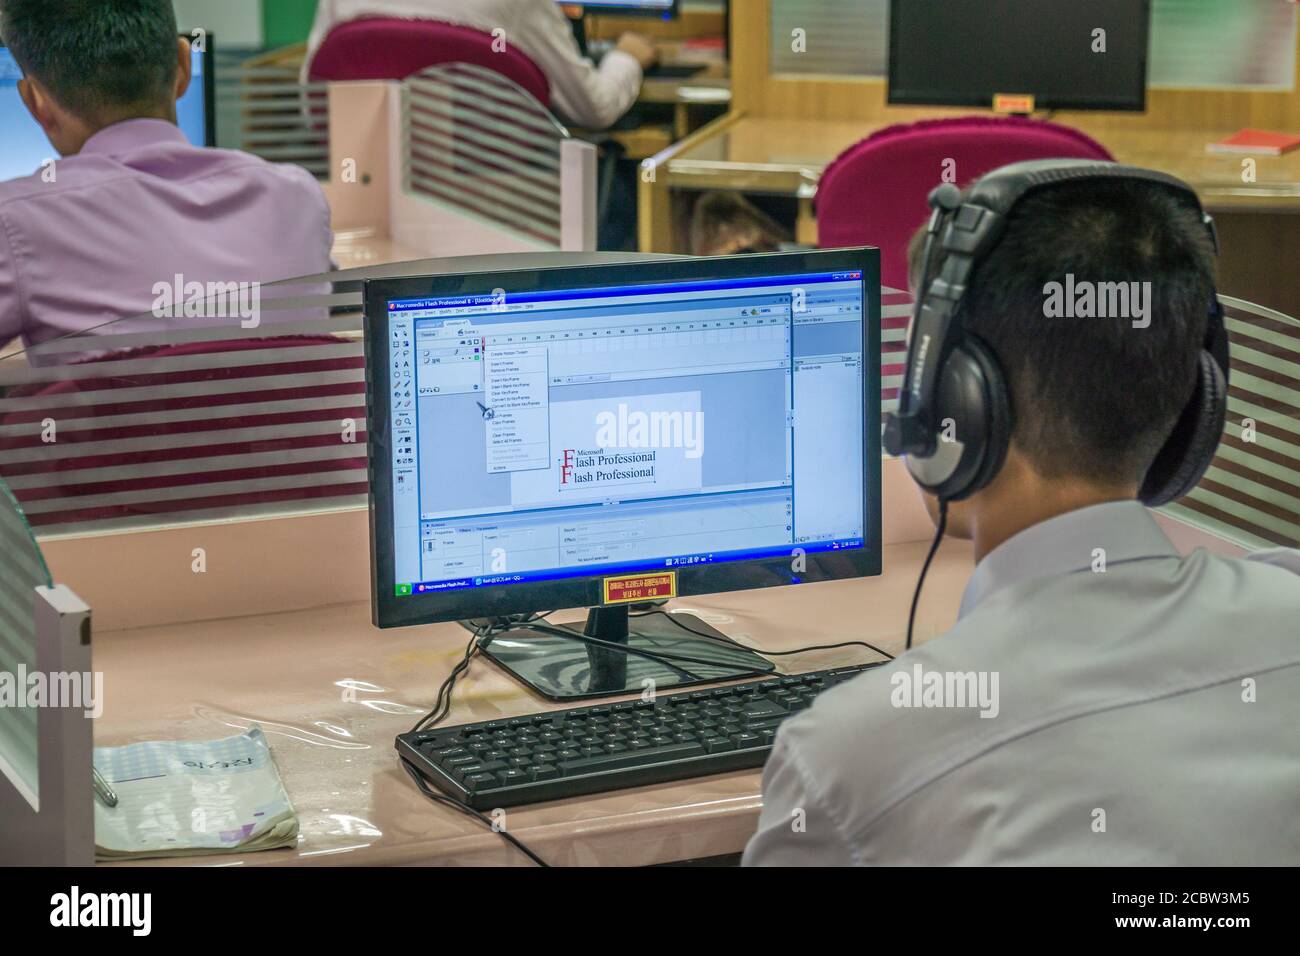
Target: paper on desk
point(184, 797)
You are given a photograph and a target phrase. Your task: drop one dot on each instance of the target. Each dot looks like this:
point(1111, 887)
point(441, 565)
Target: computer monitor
point(1019, 55)
point(600, 436)
point(636, 8)
point(25, 148)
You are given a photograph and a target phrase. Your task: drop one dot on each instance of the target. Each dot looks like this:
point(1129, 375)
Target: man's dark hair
point(1093, 398)
point(101, 59)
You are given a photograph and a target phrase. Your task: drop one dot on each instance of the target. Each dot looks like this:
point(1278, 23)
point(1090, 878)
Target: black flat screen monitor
point(602, 436)
point(1036, 54)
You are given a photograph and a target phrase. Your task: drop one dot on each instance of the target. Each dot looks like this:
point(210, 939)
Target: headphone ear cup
point(1188, 451)
point(972, 424)
point(997, 419)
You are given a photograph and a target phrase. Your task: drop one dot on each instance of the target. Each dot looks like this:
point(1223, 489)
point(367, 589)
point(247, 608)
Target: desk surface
point(289, 673)
point(787, 156)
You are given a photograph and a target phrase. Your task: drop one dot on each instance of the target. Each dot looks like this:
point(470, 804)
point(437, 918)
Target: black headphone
point(952, 377)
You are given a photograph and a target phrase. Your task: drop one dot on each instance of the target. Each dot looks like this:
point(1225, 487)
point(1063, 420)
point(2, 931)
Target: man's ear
point(40, 104)
point(184, 66)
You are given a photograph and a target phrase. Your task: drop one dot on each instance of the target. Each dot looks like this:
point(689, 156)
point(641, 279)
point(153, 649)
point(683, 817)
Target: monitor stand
point(564, 668)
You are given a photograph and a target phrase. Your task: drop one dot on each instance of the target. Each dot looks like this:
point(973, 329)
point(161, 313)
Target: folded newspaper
point(184, 798)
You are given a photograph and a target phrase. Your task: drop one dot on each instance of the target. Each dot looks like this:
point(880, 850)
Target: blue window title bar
point(406, 305)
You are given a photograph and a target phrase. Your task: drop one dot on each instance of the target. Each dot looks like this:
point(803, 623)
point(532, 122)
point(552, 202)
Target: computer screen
point(537, 437)
point(25, 147)
point(663, 8)
point(1040, 54)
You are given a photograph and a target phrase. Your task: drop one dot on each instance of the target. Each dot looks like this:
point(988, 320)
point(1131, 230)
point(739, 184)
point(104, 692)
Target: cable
point(469, 812)
point(442, 705)
point(934, 546)
point(666, 658)
point(798, 650)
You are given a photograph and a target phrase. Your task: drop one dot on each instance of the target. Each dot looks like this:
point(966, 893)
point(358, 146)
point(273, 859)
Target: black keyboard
point(567, 753)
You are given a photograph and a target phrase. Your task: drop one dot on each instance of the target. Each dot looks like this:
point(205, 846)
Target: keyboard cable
point(441, 707)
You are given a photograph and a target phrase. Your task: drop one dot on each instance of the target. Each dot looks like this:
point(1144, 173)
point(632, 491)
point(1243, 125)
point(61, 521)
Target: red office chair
point(875, 192)
point(385, 48)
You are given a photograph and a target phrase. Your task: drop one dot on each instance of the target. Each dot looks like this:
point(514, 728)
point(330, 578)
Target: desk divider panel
point(45, 729)
point(281, 119)
point(22, 570)
point(476, 141)
point(1251, 494)
point(152, 421)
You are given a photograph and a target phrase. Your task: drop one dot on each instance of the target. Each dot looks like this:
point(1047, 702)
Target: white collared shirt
point(1144, 714)
point(582, 93)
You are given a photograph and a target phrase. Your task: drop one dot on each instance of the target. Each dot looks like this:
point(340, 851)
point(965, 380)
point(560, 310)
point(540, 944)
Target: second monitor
point(602, 436)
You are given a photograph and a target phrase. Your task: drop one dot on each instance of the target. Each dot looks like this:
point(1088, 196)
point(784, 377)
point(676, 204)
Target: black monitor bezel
point(387, 610)
point(1137, 103)
point(209, 89)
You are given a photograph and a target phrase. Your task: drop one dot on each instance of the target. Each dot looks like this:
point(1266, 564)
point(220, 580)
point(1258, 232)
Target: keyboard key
point(479, 781)
point(762, 709)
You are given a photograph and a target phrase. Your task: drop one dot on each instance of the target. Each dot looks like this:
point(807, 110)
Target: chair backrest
point(875, 192)
point(385, 48)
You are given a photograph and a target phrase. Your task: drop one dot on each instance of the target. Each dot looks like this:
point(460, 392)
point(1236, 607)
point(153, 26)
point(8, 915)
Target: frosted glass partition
point(1251, 494)
point(1246, 44)
point(22, 569)
point(829, 37)
point(281, 119)
point(1222, 44)
point(152, 420)
point(219, 411)
point(896, 312)
point(479, 143)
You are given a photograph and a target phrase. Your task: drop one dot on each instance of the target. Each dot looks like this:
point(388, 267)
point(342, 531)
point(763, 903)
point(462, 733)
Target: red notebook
point(1256, 141)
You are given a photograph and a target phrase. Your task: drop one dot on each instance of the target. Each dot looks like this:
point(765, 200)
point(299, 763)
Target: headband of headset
point(968, 230)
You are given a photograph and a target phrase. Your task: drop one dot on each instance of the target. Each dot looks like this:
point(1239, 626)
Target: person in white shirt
point(590, 96)
point(1103, 699)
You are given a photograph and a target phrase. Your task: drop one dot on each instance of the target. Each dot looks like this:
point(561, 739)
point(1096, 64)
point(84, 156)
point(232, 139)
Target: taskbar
point(652, 564)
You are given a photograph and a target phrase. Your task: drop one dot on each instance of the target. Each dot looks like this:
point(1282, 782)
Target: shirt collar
point(1124, 529)
point(130, 135)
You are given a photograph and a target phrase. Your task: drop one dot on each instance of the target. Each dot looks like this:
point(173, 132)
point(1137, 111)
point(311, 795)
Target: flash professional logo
point(134, 910)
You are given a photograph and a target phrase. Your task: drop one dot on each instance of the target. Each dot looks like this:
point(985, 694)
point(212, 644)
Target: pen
point(102, 789)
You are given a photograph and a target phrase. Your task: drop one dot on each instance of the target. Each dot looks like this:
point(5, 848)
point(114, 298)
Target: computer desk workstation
point(277, 631)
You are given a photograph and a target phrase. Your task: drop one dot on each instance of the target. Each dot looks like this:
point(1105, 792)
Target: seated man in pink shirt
point(132, 211)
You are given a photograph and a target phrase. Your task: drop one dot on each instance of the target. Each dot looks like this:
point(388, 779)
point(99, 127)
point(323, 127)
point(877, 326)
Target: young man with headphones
point(1102, 699)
